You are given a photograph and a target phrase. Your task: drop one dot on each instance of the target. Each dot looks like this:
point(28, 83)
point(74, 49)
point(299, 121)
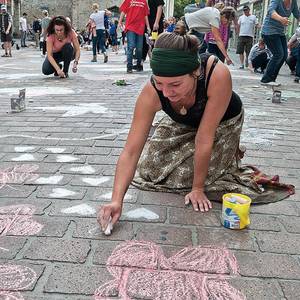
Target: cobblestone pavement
point(60, 154)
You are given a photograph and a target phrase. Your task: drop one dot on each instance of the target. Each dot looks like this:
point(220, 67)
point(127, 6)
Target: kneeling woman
point(62, 47)
point(195, 148)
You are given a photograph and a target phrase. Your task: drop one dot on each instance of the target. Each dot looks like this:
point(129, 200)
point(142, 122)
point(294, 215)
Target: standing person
point(37, 28)
point(259, 57)
point(209, 19)
point(294, 46)
point(114, 36)
point(6, 30)
point(246, 26)
point(62, 47)
point(273, 33)
point(98, 18)
point(23, 29)
point(136, 12)
point(44, 24)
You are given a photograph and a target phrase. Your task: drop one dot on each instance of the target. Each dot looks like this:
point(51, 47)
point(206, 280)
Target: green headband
point(173, 62)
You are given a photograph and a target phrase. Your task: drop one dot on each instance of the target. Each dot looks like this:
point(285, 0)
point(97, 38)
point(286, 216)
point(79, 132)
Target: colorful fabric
point(167, 162)
point(57, 44)
point(209, 37)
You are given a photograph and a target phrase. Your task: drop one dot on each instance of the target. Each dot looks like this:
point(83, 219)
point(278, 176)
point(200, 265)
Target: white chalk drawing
point(18, 76)
point(61, 193)
point(140, 213)
point(81, 209)
point(107, 196)
point(66, 158)
point(17, 220)
point(23, 148)
point(4, 249)
point(18, 175)
point(14, 278)
point(76, 110)
point(83, 170)
point(24, 157)
point(56, 150)
point(96, 181)
point(49, 180)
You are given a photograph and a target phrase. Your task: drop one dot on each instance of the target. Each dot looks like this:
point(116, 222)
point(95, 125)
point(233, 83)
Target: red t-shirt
point(57, 45)
point(135, 11)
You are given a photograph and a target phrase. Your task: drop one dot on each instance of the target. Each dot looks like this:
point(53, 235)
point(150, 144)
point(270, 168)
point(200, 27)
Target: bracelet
point(76, 61)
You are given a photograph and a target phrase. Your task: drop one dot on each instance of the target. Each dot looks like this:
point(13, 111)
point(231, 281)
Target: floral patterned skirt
point(167, 164)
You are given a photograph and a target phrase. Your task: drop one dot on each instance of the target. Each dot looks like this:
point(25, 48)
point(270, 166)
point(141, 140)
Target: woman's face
point(59, 30)
point(175, 88)
point(224, 21)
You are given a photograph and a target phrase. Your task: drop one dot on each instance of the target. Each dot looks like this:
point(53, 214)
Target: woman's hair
point(95, 6)
point(261, 41)
point(228, 12)
point(180, 28)
point(60, 21)
point(45, 12)
point(173, 40)
point(219, 6)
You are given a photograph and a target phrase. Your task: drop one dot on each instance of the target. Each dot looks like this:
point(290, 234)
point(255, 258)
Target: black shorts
point(6, 37)
point(244, 44)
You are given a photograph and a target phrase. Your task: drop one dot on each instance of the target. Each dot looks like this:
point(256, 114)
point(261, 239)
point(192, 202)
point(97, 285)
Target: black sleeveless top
point(195, 113)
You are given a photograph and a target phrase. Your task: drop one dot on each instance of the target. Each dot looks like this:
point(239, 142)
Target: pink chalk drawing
point(141, 270)
point(18, 175)
point(17, 220)
point(14, 278)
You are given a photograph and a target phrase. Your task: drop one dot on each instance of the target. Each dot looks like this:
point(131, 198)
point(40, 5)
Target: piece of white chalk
point(109, 228)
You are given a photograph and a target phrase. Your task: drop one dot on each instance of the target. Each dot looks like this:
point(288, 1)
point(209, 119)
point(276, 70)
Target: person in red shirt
point(136, 12)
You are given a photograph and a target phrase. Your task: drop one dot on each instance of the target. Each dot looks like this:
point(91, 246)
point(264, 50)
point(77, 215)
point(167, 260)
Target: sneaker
point(139, 68)
point(105, 58)
point(297, 79)
point(134, 67)
point(293, 73)
point(270, 83)
point(242, 67)
point(129, 70)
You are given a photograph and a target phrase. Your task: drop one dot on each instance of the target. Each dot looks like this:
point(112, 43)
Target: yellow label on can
point(235, 211)
point(154, 35)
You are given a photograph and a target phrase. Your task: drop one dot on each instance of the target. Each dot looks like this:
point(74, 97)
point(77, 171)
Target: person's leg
point(297, 78)
point(260, 61)
point(102, 36)
point(273, 42)
point(145, 49)
point(22, 38)
point(130, 46)
point(67, 53)
point(9, 47)
point(5, 48)
point(37, 39)
point(283, 44)
point(44, 47)
point(240, 51)
point(139, 51)
point(248, 47)
point(47, 68)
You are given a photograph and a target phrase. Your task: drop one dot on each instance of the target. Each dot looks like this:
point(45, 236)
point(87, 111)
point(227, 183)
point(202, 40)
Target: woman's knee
point(47, 69)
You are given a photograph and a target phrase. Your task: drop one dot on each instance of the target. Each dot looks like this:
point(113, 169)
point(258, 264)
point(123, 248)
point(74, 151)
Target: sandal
point(4, 55)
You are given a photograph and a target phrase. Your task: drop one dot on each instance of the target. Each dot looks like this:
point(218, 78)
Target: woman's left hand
point(198, 200)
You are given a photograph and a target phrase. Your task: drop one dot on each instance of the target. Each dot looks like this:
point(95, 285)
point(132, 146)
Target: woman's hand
point(61, 73)
point(284, 21)
point(113, 210)
point(198, 200)
point(229, 61)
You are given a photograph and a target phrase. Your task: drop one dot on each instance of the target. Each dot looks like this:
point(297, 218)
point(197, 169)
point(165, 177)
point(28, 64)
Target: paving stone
point(291, 224)
point(163, 234)
point(254, 289)
point(54, 192)
point(103, 251)
point(145, 213)
point(268, 265)
point(66, 158)
point(58, 150)
point(96, 181)
point(90, 229)
point(232, 239)
point(156, 198)
point(43, 140)
point(52, 227)
point(11, 149)
point(291, 289)
point(190, 217)
point(102, 160)
point(16, 191)
point(278, 208)
point(278, 242)
point(104, 195)
point(86, 169)
point(264, 222)
point(52, 249)
point(19, 158)
point(85, 143)
point(50, 179)
point(10, 246)
point(13, 140)
point(92, 151)
point(72, 279)
point(110, 144)
point(42, 168)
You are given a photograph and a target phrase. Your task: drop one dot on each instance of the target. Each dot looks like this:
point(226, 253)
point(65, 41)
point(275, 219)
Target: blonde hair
point(219, 6)
point(228, 13)
point(95, 6)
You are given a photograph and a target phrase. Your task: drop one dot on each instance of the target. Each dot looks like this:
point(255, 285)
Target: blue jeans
point(203, 44)
point(23, 38)
point(99, 41)
point(278, 46)
point(134, 40)
point(296, 53)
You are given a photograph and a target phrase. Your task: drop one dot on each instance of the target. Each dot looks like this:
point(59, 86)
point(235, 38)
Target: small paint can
point(276, 98)
point(235, 211)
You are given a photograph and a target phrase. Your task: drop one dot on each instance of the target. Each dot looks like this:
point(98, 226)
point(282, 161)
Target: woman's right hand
point(113, 210)
point(284, 21)
point(61, 73)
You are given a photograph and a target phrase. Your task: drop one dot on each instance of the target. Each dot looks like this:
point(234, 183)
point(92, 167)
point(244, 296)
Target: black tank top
point(195, 113)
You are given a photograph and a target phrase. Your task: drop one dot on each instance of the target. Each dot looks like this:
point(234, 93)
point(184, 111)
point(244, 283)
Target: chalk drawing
point(96, 181)
point(17, 220)
point(24, 157)
point(49, 180)
point(97, 137)
point(66, 158)
point(18, 174)
point(18, 76)
point(141, 270)
point(4, 249)
point(81, 209)
point(55, 150)
point(77, 110)
point(38, 91)
point(61, 193)
point(23, 148)
point(83, 170)
point(15, 278)
point(108, 196)
point(142, 213)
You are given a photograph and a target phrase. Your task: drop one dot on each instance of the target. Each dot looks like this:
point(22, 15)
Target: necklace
point(183, 111)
